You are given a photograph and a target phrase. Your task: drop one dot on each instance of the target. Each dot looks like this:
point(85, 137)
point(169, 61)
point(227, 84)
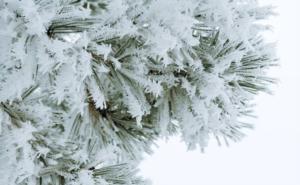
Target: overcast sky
point(269, 155)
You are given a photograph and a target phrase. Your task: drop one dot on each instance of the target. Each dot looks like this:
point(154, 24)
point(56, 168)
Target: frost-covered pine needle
point(87, 86)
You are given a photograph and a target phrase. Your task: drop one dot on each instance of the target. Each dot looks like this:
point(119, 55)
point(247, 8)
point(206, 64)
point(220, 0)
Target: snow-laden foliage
point(87, 86)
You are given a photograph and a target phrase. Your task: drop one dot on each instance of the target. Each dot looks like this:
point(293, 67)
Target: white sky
point(270, 155)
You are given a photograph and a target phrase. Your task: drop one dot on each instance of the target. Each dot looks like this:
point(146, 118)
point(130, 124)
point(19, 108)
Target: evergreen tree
point(87, 86)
